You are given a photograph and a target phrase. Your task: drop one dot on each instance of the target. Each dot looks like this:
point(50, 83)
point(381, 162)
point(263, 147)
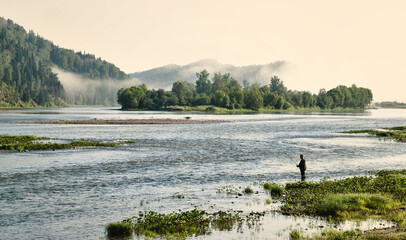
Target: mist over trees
point(226, 92)
point(26, 76)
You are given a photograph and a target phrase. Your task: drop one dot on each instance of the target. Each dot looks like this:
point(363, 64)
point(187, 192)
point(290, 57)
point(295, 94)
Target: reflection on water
point(74, 193)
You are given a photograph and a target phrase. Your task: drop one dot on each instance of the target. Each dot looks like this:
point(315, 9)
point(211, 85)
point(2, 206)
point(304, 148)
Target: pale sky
point(326, 43)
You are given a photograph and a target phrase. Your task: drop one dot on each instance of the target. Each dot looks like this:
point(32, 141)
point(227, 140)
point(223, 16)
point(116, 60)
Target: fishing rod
point(290, 158)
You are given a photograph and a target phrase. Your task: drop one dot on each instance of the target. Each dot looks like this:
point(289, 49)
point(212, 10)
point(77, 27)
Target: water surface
point(74, 193)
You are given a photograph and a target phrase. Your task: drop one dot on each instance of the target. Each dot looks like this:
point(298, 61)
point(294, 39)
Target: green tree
point(253, 97)
point(235, 94)
point(277, 86)
point(324, 101)
point(203, 84)
point(221, 99)
point(270, 99)
point(184, 92)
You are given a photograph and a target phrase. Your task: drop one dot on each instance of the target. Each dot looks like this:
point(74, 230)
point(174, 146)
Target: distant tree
point(236, 94)
point(201, 99)
point(203, 84)
point(324, 101)
point(277, 86)
point(183, 92)
point(270, 99)
point(253, 97)
point(221, 99)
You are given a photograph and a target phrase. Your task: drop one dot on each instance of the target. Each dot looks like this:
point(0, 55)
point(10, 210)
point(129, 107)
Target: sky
point(324, 43)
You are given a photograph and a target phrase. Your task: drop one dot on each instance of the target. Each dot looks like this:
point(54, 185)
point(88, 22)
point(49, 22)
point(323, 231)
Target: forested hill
point(164, 77)
point(26, 61)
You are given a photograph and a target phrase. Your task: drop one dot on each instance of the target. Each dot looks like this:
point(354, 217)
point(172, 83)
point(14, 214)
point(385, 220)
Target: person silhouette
point(302, 166)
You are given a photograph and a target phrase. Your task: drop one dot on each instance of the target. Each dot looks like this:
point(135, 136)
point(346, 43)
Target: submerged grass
point(396, 133)
point(29, 142)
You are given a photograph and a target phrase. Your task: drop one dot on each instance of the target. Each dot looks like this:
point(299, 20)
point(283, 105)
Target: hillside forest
point(26, 77)
point(224, 91)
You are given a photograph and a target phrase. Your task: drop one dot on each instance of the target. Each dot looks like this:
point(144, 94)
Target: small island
point(225, 94)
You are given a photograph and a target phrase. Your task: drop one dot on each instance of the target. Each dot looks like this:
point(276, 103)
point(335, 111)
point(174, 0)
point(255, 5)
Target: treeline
point(390, 104)
point(26, 60)
point(226, 92)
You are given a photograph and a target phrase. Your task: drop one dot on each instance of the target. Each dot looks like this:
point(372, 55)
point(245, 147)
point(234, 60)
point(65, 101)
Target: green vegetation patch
point(248, 190)
point(29, 142)
point(177, 224)
point(396, 133)
point(92, 144)
point(120, 229)
point(351, 198)
point(275, 190)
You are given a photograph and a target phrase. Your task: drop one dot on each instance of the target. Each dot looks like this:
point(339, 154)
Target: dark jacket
point(302, 165)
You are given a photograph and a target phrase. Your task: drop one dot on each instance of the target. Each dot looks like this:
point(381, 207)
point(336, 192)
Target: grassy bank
point(29, 142)
point(396, 133)
point(381, 195)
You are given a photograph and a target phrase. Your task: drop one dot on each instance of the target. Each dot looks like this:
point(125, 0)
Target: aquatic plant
point(248, 190)
point(355, 205)
point(29, 142)
point(184, 224)
point(119, 229)
point(396, 133)
point(181, 224)
point(275, 190)
point(91, 144)
point(294, 235)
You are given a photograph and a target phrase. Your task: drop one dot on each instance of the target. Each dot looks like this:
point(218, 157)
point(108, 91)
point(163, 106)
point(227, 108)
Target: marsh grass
point(355, 205)
point(275, 190)
point(248, 190)
point(294, 235)
point(350, 198)
point(91, 144)
point(119, 229)
point(182, 224)
point(29, 142)
point(396, 133)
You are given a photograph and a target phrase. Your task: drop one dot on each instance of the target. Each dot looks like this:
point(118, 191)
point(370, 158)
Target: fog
point(84, 91)
point(164, 77)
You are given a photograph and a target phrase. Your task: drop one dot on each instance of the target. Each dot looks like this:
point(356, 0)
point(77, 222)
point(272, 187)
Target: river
point(74, 193)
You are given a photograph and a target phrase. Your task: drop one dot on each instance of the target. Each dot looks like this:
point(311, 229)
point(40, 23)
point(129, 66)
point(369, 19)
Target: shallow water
point(73, 194)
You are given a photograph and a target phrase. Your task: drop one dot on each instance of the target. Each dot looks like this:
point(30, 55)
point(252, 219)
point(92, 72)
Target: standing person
point(302, 166)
